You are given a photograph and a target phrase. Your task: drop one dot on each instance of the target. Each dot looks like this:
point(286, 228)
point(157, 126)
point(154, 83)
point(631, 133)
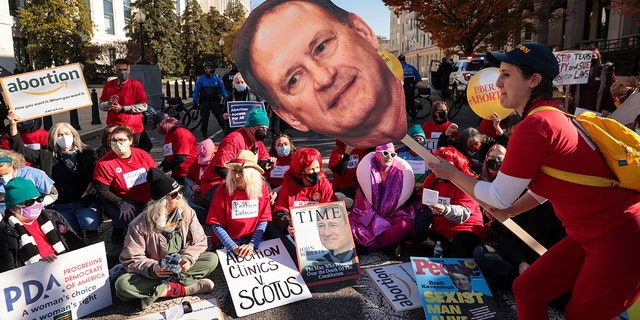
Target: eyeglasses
point(175, 194)
point(389, 154)
point(30, 202)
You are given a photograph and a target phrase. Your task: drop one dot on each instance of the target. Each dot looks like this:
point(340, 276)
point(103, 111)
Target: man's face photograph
point(334, 234)
point(461, 281)
point(327, 76)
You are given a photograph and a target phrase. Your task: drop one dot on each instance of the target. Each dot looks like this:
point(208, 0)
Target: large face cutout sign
point(318, 66)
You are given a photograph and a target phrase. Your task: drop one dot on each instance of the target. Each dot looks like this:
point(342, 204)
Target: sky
point(374, 12)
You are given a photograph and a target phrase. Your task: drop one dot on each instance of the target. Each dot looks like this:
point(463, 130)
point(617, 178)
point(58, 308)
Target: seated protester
point(456, 220)
point(416, 162)
point(343, 162)
point(282, 148)
point(304, 183)
point(167, 226)
point(472, 144)
point(497, 128)
point(180, 148)
point(438, 124)
point(249, 137)
point(240, 209)
point(31, 134)
point(240, 92)
point(12, 165)
point(382, 214)
point(105, 146)
point(120, 181)
point(206, 150)
point(70, 163)
point(29, 233)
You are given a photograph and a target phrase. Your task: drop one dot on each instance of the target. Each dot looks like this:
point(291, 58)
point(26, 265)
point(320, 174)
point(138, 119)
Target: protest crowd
point(231, 192)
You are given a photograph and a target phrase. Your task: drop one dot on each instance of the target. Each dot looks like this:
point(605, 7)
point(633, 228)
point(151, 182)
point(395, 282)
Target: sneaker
point(202, 286)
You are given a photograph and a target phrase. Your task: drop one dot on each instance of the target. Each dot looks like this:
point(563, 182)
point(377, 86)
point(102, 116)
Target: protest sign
point(484, 96)
point(203, 309)
point(324, 243)
point(453, 288)
point(397, 283)
point(49, 91)
point(266, 279)
point(73, 286)
point(627, 112)
point(239, 110)
point(573, 66)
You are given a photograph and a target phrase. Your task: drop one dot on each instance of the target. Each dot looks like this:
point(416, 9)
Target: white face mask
point(6, 178)
point(64, 141)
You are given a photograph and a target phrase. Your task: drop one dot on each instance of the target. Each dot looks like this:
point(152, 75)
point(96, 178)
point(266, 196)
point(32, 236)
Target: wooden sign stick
point(510, 224)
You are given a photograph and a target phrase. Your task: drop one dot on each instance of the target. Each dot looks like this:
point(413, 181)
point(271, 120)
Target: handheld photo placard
point(484, 96)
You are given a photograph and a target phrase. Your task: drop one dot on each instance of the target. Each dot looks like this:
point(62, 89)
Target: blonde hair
point(17, 159)
point(53, 136)
point(156, 213)
point(253, 182)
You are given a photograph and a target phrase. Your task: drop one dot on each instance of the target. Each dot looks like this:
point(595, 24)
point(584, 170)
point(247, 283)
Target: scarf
point(70, 159)
point(27, 248)
point(385, 197)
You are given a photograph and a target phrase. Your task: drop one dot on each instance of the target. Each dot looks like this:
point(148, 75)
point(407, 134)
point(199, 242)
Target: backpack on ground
point(619, 145)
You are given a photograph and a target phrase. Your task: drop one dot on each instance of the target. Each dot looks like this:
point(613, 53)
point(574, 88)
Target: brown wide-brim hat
point(244, 159)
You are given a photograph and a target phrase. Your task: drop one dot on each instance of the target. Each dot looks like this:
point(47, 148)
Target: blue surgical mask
point(284, 151)
point(638, 131)
point(240, 87)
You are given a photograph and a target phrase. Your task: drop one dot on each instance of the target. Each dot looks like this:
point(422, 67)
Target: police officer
point(208, 93)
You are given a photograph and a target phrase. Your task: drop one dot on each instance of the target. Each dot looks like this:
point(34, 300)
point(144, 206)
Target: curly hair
point(459, 160)
point(301, 159)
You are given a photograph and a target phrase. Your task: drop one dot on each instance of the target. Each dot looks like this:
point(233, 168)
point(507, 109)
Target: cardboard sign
point(453, 288)
point(49, 91)
point(264, 280)
point(324, 243)
point(73, 286)
point(204, 309)
point(397, 283)
point(573, 66)
point(239, 110)
point(627, 112)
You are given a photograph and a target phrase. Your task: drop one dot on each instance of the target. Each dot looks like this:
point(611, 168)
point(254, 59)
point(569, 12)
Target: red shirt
point(126, 178)
point(549, 138)
point(180, 141)
point(291, 194)
point(452, 195)
point(433, 131)
point(348, 179)
point(131, 92)
point(196, 171)
point(238, 215)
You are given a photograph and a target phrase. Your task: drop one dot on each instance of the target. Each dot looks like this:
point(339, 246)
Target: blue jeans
point(113, 211)
point(79, 217)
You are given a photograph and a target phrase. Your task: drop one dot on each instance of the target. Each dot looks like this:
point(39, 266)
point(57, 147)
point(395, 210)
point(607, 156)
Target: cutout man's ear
point(364, 30)
point(290, 119)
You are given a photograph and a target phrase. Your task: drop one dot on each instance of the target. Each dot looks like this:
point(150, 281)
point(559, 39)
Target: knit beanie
point(160, 184)
point(416, 130)
point(18, 190)
point(257, 117)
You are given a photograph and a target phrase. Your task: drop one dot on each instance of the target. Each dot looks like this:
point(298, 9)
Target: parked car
point(462, 72)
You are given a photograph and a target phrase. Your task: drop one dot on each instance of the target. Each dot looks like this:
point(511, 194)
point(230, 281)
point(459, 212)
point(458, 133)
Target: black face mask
point(313, 178)
point(494, 164)
point(442, 115)
point(594, 62)
point(260, 134)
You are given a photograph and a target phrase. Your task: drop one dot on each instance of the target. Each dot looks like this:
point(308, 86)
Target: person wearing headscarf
point(180, 148)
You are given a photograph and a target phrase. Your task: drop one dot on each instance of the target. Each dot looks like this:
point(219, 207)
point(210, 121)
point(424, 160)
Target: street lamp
point(221, 43)
point(140, 17)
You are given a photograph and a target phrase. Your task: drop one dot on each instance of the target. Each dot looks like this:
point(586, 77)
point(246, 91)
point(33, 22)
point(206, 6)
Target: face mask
point(64, 141)
point(442, 115)
point(240, 87)
point(284, 151)
point(594, 62)
point(7, 177)
point(120, 147)
point(32, 212)
point(122, 76)
point(313, 178)
point(475, 147)
point(260, 134)
point(638, 131)
point(494, 164)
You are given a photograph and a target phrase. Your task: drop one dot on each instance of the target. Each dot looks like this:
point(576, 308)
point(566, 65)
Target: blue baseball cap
point(530, 54)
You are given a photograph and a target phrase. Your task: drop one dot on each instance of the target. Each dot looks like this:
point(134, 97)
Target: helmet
point(208, 64)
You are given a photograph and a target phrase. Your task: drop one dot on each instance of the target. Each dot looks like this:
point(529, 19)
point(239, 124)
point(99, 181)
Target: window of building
point(108, 17)
point(14, 5)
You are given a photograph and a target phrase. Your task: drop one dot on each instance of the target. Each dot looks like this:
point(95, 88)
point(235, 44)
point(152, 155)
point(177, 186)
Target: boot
point(202, 286)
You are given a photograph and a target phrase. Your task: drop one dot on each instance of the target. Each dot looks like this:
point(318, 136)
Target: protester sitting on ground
point(240, 92)
point(418, 166)
point(438, 124)
point(105, 139)
point(343, 162)
point(12, 165)
point(206, 150)
point(382, 216)
point(180, 148)
point(282, 148)
point(240, 209)
point(472, 144)
point(497, 128)
point(250, 137)
point(167, 227)
point(70, 163)
point(31, 135)
point(29, 233)
point(119, 178)
point(590, 261)
point(456, 220)
point(304, 183)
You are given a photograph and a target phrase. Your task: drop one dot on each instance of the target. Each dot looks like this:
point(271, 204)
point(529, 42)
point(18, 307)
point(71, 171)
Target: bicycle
point(423, 102)
point(188, 116)
point(460, 99)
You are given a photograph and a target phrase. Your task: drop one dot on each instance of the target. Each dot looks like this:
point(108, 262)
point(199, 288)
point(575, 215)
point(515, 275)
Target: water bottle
point(437, 250)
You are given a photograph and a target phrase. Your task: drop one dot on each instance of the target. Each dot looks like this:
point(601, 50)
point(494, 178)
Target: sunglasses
point(175, 194)
point(30, 202)
point(389, 154)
